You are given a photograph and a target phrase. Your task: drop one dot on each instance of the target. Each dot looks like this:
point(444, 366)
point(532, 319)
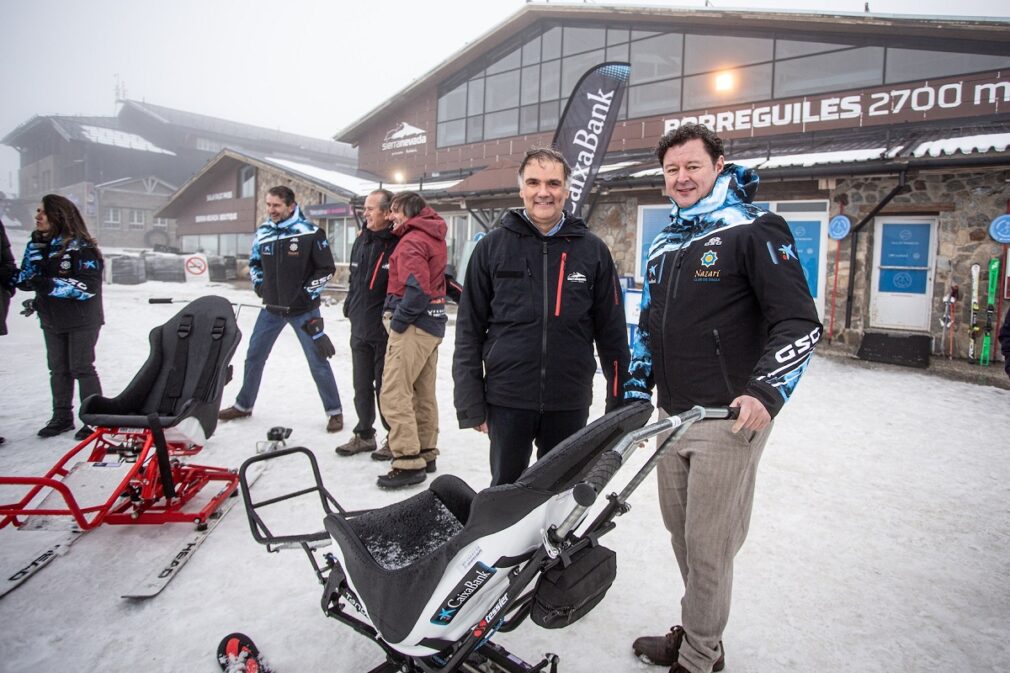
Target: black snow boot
point(57, 425)
point(398, 478)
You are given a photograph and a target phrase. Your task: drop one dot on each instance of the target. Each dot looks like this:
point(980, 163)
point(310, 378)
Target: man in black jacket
point(726, 319)
point(539, 291)
point(363, 306)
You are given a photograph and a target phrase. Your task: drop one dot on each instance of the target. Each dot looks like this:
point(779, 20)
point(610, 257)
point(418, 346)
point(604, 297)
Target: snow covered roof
point(354, 184)
point(989, 142)
point(117, 138)
point(821, 158)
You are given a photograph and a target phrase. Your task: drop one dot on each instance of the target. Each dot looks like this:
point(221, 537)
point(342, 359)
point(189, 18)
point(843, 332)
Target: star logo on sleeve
point(786, 251)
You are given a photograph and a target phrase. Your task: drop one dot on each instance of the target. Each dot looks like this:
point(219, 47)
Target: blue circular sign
point(999, 230)
point(839, 226)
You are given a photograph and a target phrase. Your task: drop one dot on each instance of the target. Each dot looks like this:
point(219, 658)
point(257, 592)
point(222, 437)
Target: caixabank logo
point(477, 577)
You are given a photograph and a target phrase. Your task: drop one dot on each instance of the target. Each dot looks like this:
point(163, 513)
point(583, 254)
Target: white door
point(901, 290)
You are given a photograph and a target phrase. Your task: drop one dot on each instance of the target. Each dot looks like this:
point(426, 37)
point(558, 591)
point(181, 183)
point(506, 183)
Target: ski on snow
point(38, 561)
point(171, 563)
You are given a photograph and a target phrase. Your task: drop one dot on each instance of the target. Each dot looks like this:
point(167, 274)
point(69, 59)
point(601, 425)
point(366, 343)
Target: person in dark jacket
point(62, 265)
point(290, 265)
point(8, 277)
point(414, 315)
point(726, 320)
point(539, 291)
point(366, 294)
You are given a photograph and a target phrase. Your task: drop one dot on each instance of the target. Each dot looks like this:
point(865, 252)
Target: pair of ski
point(161, 573)
point(975, 328)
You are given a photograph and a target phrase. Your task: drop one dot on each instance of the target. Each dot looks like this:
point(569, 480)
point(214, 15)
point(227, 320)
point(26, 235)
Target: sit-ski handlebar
point(586, 491)
point(238, 305)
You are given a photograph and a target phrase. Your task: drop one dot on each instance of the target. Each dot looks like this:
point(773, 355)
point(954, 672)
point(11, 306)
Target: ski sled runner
point(431, 579)
point(131, 469)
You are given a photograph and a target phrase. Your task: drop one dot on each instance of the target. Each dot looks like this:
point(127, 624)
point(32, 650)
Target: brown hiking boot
point(383, 452)
point(335, 423)
point(398, 478)
point(663, 650)
point(232, 413)
point(356, 445)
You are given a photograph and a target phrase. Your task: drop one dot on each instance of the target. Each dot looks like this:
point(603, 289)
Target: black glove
point(314, 328)
point(28, 307)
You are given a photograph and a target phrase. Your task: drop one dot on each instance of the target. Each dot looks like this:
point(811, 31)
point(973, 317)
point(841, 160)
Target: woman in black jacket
point(63, 266)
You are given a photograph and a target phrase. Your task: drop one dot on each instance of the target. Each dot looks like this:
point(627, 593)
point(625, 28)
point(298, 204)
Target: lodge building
point(901, 124)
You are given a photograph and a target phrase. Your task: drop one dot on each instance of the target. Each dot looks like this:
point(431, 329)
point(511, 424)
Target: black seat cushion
point(145, 394)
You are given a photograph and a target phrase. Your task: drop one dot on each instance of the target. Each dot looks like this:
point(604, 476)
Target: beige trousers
point(706, 490)
point(408, 398)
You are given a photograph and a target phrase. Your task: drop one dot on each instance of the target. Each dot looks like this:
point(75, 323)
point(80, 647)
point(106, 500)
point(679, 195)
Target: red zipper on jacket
point(561, 278)
point(615, 379)
point(376, 272)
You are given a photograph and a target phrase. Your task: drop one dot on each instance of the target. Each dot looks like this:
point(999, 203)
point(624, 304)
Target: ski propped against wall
point(990, 311)
point(586, 126)
point(973, 327)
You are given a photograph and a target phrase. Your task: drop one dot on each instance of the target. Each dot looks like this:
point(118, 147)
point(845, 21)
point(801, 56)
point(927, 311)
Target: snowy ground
point(880, 539)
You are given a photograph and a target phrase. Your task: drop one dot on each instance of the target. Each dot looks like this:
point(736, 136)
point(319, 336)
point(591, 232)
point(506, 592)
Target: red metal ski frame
point(140, 496)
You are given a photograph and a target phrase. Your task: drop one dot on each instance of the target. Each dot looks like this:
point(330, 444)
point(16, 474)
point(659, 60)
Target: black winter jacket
point(726, 310)
point(290, 264)
point(67, 279)
point(8, 271)
point(1004, 342)
point(531, 309)
point(367, 283)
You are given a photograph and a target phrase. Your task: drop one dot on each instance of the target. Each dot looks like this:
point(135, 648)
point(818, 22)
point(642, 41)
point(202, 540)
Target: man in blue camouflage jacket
point(726, 319)
point(289, 265)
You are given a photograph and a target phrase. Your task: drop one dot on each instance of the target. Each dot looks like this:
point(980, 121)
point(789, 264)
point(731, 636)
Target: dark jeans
point(367, 361)
point(514, 431)
point(71, 355)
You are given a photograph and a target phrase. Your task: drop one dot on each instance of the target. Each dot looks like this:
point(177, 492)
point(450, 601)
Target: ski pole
point(238, 305)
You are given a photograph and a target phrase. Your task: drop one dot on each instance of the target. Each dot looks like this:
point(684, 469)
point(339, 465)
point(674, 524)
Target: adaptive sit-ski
point(130, 469)
point(432, 578)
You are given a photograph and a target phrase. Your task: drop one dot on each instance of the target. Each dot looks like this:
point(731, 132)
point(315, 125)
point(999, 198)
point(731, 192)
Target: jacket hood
point(728, 203)
point(515, 220)
point(427, 221)
point(296, 216)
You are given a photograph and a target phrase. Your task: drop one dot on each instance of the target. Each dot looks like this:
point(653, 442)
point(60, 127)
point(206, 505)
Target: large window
point(341, 233)
point(247, 182)
point(113, 218)
point(137, 219)
point(523, 87)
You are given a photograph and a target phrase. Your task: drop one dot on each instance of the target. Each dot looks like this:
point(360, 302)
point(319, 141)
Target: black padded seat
point(184, 375)
point(397, 555)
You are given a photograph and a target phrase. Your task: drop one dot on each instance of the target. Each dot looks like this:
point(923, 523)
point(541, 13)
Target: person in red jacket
point(414, 316)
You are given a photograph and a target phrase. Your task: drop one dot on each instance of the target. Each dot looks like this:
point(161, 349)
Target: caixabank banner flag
point(587, 124)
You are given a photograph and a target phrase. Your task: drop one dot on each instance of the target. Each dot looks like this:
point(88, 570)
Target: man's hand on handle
point(753, 415)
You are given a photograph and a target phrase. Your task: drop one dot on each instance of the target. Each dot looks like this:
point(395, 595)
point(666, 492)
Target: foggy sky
point(302, 66)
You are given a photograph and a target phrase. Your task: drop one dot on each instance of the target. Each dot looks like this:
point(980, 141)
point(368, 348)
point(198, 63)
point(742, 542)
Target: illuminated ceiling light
point(725, 81)
point(398, 176)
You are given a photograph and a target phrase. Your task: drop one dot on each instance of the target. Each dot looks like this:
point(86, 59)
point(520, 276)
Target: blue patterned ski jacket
point(725, 308)
point(67, 279)
point(290, 264)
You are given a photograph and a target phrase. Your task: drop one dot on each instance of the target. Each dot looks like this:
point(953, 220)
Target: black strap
point(208, 376)
point(177, 375)
point(161, 455)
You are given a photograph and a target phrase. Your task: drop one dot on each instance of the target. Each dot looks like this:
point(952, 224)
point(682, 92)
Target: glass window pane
point(574, 67)
point(646, 100)
point(550, 80)
point(656, 58)
point(618, 53)
point(475, 97)
point(451, 133)
point(790, 48)
point(531, 51)
point(639, 34)
point(705, 53)
point(453, 104)
point(244, 244)
point(501, 91)
point(578, 40)
point(228, 244)
point(829, 72)
point(501, 124)
point(550, 115)
point(616, 35)
point(551, 44)
point(528, 119)
point(531, 84)
point(508, 62)
point(711, 90)
point(910, 64)
point(475, 129)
